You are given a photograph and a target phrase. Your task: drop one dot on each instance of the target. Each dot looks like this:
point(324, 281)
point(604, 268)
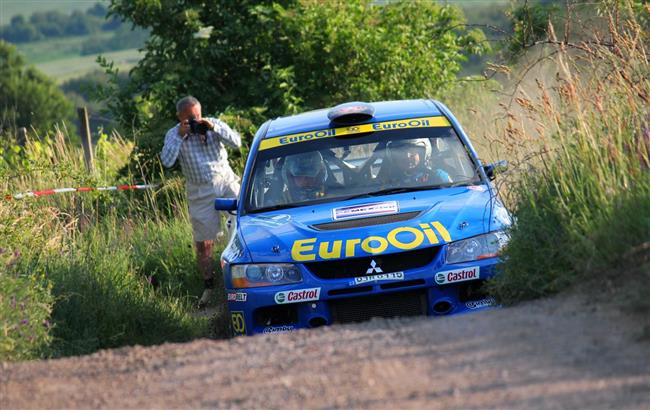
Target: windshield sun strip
point(422, 122)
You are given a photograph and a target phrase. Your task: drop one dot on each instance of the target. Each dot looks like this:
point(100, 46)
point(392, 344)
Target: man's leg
point(206, 267)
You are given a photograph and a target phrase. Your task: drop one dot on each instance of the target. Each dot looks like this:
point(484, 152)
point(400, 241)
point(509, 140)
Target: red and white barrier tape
point(32, 194)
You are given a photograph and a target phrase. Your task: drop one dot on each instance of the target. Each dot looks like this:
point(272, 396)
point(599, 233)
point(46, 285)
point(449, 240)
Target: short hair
point(185, 102)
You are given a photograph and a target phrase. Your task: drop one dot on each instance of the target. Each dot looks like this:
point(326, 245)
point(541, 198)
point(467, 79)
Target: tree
point(79, 24)
point(268, 58)
point(19, 31)
point(27, 97)
point(356, 50)
point(97, 10)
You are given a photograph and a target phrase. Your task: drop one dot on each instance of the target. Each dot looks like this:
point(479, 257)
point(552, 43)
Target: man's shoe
point(206, 298)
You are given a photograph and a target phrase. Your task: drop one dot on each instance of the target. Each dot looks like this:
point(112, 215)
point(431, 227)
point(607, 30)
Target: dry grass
point(581, 143)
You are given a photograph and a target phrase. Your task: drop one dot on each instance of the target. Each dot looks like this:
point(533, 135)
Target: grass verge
point(584, 204)
point(88, 271)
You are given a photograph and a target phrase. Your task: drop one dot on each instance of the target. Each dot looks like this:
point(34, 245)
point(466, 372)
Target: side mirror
point(491, 170)
point(225, 204)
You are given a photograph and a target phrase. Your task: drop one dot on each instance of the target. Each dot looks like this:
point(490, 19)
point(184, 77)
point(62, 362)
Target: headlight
point(263, 274)
point(478, 247)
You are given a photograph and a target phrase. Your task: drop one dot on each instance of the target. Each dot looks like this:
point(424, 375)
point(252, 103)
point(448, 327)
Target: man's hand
point(184, 129)
point(207, 122)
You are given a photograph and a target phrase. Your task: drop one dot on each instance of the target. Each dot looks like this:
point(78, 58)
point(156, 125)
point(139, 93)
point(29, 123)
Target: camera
point(198, 127)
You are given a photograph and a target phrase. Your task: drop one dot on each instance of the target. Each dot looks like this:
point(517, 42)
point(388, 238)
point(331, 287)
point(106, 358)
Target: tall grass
point(86, 271)
point(584, 201)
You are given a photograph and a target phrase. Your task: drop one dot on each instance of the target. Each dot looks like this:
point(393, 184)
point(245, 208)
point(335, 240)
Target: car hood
point(429, 218)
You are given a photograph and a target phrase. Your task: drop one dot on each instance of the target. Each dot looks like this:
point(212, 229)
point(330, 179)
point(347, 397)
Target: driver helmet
point(305, 175)
point(410, 155)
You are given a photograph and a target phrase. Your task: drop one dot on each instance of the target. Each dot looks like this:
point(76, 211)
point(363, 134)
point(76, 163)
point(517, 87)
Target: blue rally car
point(362, 210)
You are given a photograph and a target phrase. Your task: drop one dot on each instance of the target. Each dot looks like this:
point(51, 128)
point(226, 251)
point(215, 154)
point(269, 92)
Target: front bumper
point(256, 310)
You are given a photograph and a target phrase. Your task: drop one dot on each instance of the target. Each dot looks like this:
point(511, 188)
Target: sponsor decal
point(270, 221)
point(403, 238)
point(278, 329)
point(297, 296)
point(237, 297)
point(378, 278)
point(477, 304)
point(238, 323)
point(373, 268)
point(479, 188)
point(366, 210)
point(458, 275)
point(423, 122)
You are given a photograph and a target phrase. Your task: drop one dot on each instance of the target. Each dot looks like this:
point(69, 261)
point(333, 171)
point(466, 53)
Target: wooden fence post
point(22, 136)
point(86, 142)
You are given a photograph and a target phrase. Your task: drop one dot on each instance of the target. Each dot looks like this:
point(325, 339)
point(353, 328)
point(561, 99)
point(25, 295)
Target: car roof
point(384, 111)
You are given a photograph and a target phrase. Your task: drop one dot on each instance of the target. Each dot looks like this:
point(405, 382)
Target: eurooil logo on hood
point(402, 238)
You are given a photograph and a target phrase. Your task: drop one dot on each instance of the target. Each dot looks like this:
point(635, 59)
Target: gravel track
point(561, 353)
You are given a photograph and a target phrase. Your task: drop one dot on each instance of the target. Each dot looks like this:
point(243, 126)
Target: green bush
point(28, 97)
point(110, 294)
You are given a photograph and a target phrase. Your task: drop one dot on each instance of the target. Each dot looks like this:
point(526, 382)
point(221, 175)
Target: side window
point(449, 154)
point(267, 185)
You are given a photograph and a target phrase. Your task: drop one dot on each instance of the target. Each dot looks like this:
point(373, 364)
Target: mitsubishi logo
point(373, 268)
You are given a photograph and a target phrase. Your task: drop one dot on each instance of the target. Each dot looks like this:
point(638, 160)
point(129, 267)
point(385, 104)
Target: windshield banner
point(423, 122)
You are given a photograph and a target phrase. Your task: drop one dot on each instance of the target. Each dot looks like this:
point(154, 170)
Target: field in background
point(68, 68)
point(60, 58)
point(37, 52)
point(9, 8)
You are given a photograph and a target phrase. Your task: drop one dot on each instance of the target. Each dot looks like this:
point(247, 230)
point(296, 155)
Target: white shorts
point(206, 221)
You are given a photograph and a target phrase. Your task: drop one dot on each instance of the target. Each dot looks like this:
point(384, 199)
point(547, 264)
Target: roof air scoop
point(351, 113)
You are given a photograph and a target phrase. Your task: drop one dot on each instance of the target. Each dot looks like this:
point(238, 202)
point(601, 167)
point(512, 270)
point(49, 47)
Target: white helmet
point(399, 153)
point(304, 175)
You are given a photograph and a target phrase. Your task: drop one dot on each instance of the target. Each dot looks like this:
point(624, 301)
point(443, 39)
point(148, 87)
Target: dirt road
point(560, 353)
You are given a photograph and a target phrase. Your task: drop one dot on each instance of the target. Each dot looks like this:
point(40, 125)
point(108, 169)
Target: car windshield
point(367, 164)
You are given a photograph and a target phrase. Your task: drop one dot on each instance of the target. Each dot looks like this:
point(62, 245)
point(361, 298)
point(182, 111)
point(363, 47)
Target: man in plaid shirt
point(204, 162)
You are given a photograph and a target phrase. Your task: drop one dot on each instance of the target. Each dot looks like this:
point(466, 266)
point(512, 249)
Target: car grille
point(353, 267)
point(357, 309)
point(375, 220)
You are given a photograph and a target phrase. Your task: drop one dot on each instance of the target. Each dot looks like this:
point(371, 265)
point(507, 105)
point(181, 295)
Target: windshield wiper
point(399, 190)
point(274, 208)
point(389, 191)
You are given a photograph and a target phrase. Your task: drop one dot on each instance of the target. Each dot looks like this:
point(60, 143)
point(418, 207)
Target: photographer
point(198, 143)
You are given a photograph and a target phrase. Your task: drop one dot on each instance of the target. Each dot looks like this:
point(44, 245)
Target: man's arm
point(172, 147)
point(227, 134)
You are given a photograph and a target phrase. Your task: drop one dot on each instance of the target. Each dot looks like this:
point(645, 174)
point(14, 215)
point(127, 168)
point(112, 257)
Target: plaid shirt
point(201, 161)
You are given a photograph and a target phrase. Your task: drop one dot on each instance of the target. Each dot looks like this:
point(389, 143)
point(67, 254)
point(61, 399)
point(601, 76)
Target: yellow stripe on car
point(423, 122)
point(442, 231)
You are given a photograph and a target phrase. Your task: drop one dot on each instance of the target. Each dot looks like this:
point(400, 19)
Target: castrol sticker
point(458, 275)
point(296, 296)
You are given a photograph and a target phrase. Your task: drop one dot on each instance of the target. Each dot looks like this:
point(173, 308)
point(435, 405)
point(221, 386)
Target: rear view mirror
point(491, 170)
point(225, 204)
